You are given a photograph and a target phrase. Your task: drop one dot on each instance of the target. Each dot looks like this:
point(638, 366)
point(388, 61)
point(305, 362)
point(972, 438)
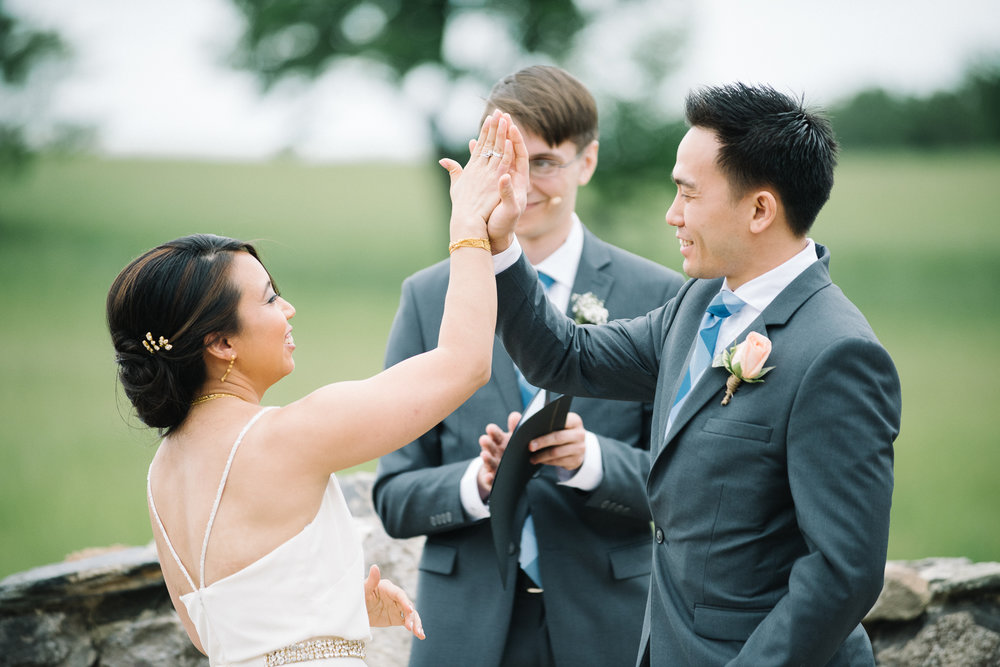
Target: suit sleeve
point(623, 487)
point(413, 493)
point(618, 360)
point(625, 465)
point(844, 419)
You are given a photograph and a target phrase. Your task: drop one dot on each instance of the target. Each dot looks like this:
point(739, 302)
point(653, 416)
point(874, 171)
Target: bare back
point(265, 501)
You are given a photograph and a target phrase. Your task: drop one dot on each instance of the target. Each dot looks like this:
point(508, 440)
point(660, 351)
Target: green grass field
point(914, 241)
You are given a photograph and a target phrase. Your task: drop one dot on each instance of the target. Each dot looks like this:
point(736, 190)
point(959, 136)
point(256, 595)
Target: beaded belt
point(316, 649)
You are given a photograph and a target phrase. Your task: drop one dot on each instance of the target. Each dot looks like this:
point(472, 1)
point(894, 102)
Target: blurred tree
point(452, 47)
point(982, 85)
point(22, 50)
point(967, 116)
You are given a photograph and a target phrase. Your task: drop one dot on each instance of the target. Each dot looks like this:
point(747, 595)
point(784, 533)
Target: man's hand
point(513, 195)
point(388, 605)
point(565, 448)
point(486, 183)
point(493, 444)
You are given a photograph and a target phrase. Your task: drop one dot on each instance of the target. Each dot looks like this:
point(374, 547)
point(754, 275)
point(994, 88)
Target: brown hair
point(548, 102)
point(182, 291)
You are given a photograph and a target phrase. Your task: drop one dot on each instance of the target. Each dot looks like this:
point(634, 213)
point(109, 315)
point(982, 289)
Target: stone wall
point(109, 607)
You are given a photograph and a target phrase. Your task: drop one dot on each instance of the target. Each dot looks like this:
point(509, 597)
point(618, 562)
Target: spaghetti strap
point(163, 531)
point(211, 518)
point(218, 495)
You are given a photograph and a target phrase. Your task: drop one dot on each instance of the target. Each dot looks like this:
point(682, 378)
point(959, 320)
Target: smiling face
point(711, 224)
point(552, 197)
point(264, 343)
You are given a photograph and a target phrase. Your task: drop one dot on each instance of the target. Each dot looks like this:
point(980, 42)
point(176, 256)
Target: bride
point(255, 540)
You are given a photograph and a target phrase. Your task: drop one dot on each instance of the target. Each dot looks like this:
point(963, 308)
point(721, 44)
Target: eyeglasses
point(545, 168)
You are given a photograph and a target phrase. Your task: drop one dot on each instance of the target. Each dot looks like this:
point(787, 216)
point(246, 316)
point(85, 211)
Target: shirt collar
point(762, 290)
point(562, 264)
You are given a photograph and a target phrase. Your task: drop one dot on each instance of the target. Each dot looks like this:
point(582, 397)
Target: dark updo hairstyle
point(182, 291)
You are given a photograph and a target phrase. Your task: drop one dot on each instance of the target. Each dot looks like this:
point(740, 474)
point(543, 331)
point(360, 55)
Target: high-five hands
point(493, 185)
point(564, 448)
point(389, 605)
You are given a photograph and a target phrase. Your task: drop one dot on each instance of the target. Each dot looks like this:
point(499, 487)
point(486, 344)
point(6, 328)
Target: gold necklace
point(210, 397)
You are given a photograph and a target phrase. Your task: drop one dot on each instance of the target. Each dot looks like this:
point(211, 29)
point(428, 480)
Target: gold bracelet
point(469, 243)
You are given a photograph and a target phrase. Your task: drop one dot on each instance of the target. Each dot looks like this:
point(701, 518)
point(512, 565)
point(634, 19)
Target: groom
point(771, 513)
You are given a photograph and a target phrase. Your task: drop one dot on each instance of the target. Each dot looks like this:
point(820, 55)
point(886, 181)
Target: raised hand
point(389, 605)
point(513, 195)
point(485, 182)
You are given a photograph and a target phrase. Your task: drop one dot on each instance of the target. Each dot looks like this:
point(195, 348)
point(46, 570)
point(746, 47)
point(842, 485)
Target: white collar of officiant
point(562, 264)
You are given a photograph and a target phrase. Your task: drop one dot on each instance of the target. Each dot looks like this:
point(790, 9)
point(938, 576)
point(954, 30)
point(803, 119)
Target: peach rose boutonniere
point(745, 362)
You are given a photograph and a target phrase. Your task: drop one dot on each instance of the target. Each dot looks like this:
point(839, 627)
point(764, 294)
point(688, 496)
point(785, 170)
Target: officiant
point(579, 573)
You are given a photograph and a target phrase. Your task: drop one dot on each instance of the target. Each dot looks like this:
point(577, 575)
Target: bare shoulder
point(312, 436)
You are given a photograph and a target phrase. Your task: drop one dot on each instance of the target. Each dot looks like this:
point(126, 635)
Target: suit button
point(659, 536)
point(511, 548)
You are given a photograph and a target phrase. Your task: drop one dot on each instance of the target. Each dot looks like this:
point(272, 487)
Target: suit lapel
point(777, 314)
point(593, 273)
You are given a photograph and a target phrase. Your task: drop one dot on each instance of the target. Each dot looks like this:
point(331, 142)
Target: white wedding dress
point(304, 598)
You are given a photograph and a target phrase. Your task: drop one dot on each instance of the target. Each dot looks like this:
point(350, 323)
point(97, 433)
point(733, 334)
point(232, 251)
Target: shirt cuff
point(469, 492)
point(591, 472)
point(504, 260)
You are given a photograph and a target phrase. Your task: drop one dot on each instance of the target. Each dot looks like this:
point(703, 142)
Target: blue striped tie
point(723, 305)
point(528, 555)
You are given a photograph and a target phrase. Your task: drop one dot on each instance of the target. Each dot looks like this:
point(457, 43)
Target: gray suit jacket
point(594, 547)
point(771, 513)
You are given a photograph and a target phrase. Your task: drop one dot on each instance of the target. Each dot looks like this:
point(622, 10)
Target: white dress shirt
point(758, 294)
point(561, 266)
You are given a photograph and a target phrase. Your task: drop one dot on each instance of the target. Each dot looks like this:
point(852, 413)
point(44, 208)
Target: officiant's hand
point(493, 444)
point(565, 448)
point(389, 605)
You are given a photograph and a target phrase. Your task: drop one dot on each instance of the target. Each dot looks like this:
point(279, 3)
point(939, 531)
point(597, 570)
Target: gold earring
point(232, 360)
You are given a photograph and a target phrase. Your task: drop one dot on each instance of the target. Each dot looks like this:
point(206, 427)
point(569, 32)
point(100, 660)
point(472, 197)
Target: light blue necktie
point(528, 556)
point(723, 305)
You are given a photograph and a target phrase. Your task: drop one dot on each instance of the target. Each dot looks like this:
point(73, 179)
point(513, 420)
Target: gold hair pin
point(153, 346)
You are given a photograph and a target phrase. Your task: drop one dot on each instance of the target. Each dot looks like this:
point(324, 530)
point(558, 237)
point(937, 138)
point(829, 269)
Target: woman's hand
point(513, 194)
point(388, 605)
point(493, 185)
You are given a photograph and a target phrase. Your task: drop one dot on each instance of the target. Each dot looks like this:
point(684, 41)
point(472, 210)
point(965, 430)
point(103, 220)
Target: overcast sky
point(150, 74)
